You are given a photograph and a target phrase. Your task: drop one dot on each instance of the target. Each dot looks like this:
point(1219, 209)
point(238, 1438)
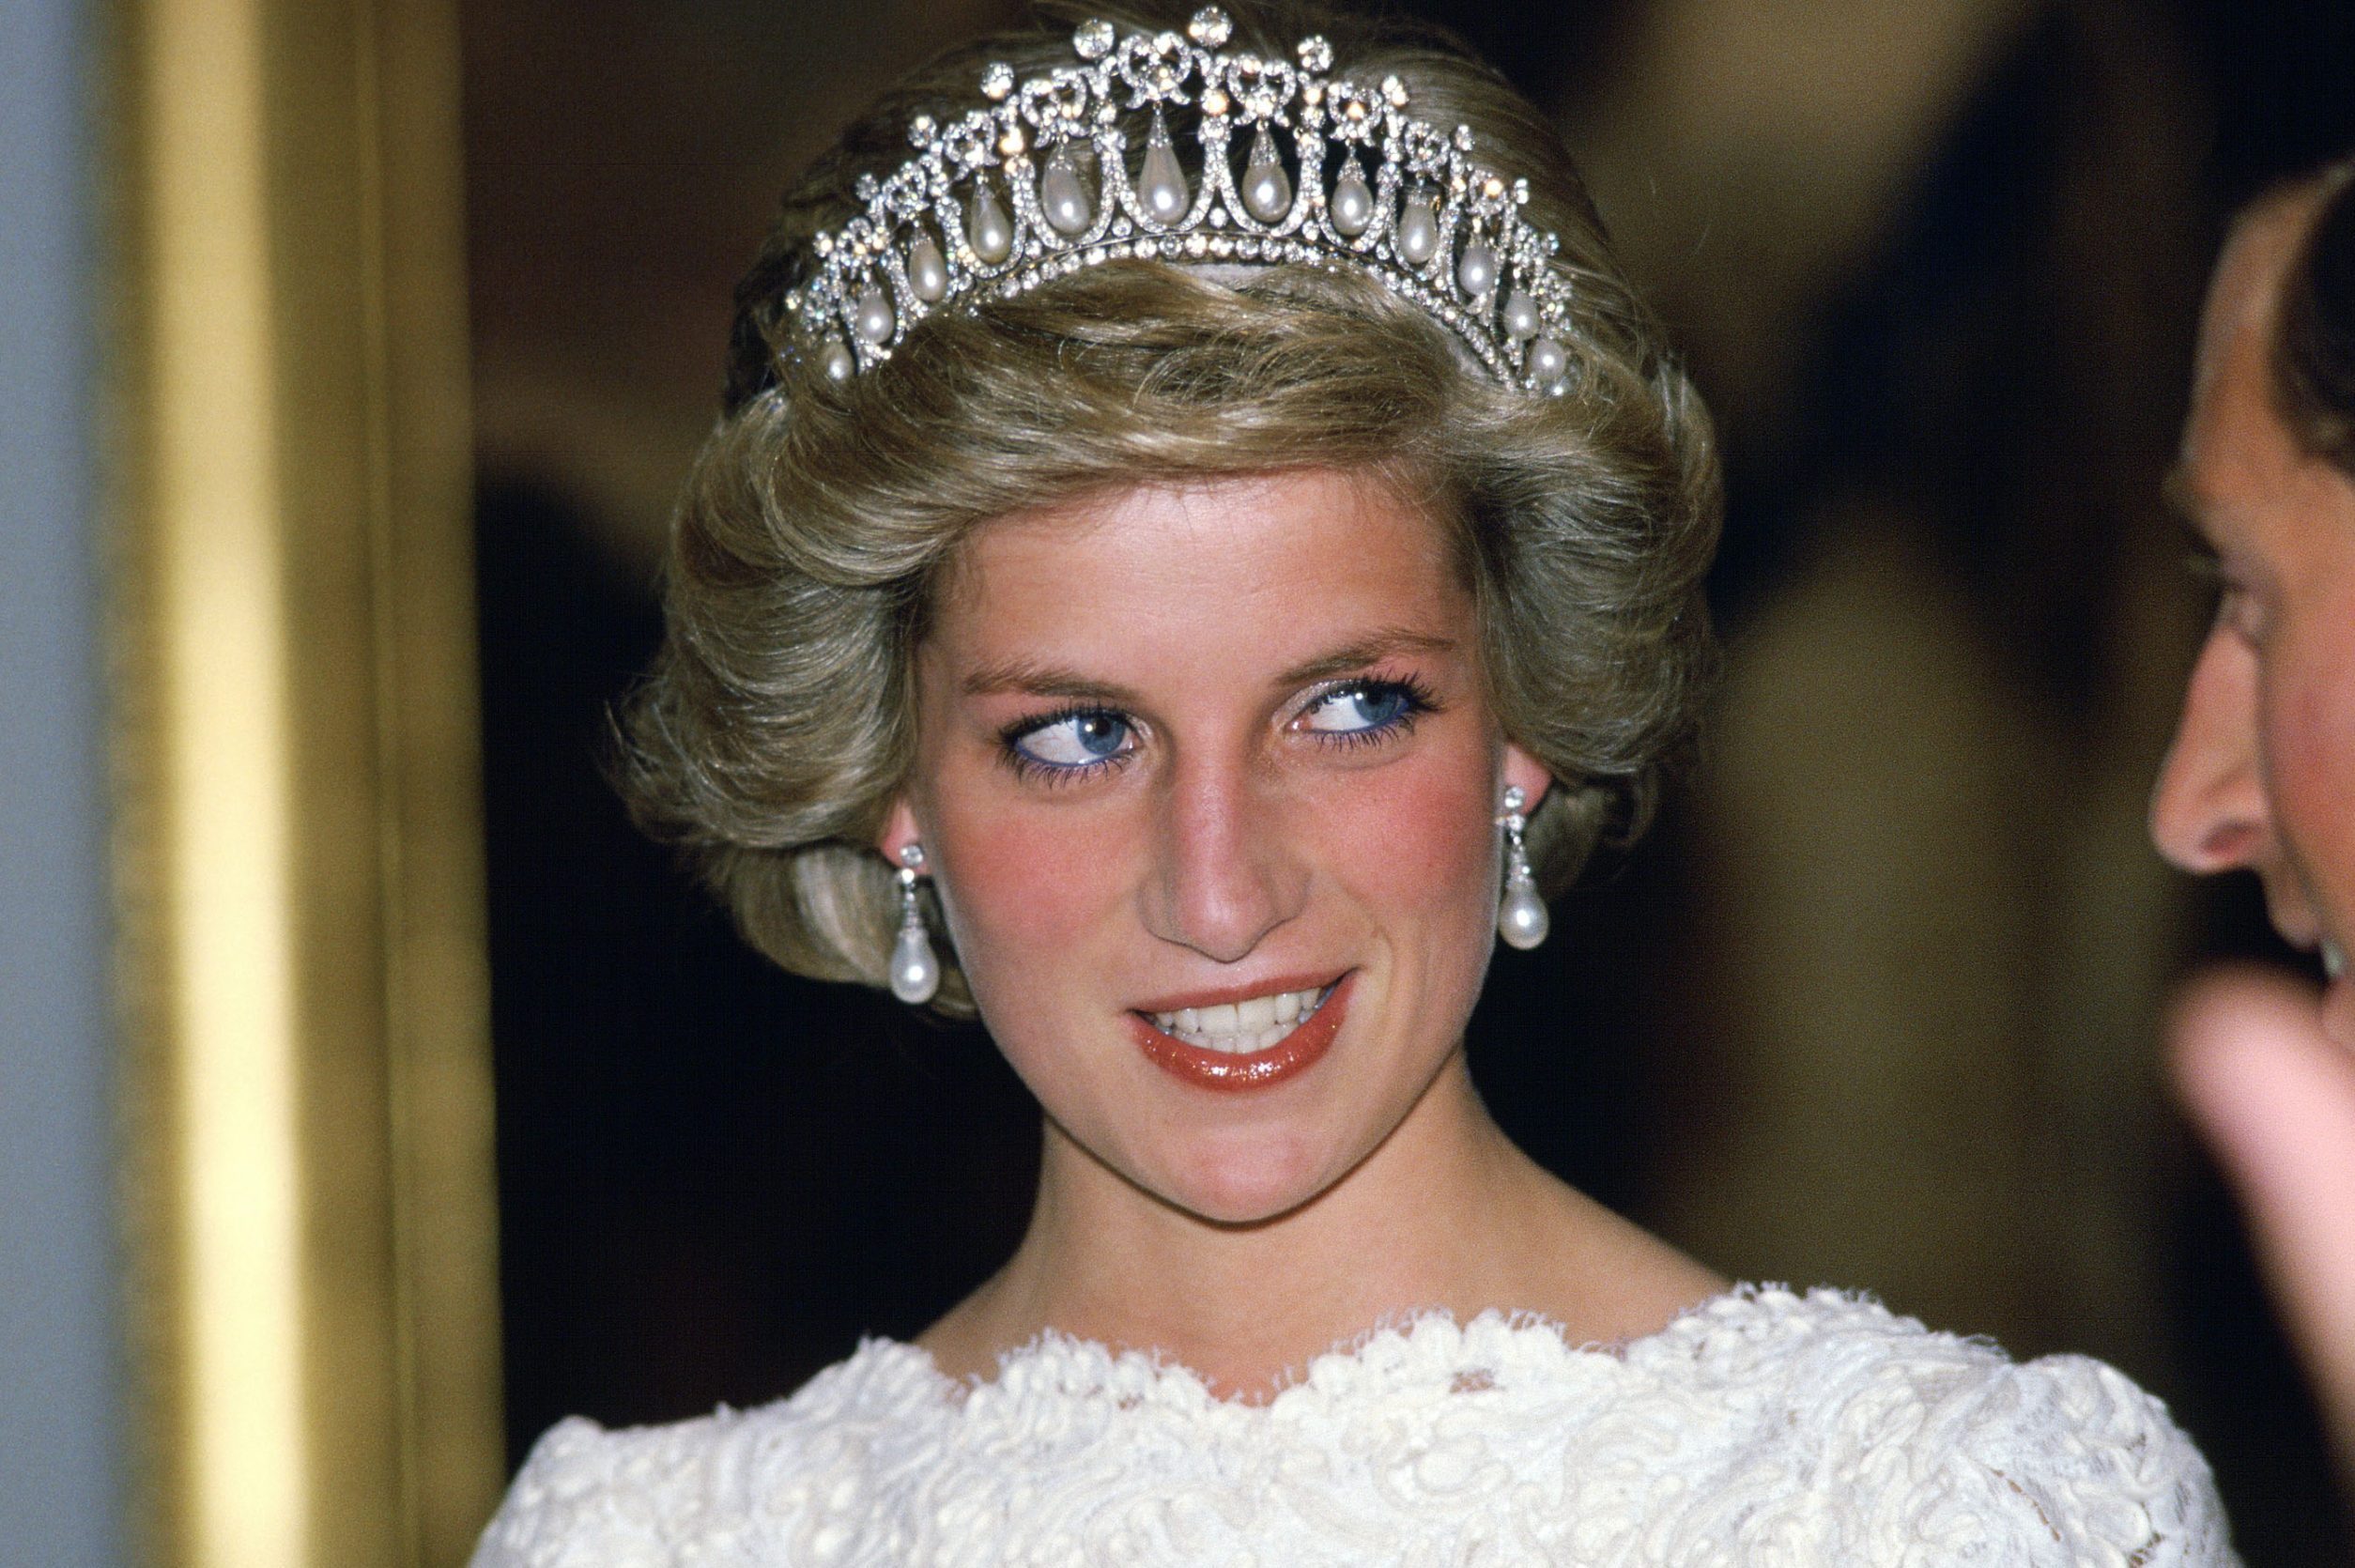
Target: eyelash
point(1031, 770)
point(1419, 701)
point(2231, 609)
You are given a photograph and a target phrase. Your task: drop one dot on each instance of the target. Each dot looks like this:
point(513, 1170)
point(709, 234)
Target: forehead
point(2234, 441)
point(1263, 559)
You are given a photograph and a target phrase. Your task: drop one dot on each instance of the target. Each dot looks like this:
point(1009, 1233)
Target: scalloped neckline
point(1085, 1367)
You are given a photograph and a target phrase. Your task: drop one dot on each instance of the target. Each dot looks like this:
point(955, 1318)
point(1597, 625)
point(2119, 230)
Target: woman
point(1200, 537)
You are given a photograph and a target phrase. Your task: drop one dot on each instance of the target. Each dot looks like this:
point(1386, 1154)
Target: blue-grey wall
point(61, 1502)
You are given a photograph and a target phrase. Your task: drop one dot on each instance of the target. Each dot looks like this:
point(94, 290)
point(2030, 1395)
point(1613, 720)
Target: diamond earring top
point(1037, 185)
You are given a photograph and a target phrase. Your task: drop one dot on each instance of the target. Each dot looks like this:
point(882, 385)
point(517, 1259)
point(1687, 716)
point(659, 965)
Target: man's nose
point(2209, 810)
point(1226, 870)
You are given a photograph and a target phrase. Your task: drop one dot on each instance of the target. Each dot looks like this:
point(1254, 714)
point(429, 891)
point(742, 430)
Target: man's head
point(2262, 771)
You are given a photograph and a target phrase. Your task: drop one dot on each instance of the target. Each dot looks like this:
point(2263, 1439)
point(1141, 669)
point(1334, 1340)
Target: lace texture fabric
point(1763, 1428)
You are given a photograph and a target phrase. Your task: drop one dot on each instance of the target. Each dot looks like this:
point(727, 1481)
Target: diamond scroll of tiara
point(1037, 185)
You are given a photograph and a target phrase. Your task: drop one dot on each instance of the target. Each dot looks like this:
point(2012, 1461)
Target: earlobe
point(900, 830)
point(1525, 772)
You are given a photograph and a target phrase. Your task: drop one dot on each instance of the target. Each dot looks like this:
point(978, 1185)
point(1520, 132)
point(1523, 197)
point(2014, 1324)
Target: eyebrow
point(1388, 643)
point(1034, 679)
point(2176, 490)
point(2200, 522)
point(1042, 680)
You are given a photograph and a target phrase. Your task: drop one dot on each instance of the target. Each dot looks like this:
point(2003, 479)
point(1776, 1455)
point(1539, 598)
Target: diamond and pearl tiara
point(1380, 192)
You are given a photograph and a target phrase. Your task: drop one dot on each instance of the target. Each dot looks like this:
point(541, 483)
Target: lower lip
point(1231, 1071)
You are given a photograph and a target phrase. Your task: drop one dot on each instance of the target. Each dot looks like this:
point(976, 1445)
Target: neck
point(1446, 1213)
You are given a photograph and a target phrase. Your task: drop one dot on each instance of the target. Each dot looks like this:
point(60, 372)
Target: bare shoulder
point(1664, 1283)
point(966, 1342)
point(1609, 1280)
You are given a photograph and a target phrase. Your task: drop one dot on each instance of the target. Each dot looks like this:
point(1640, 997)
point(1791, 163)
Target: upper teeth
point(2333, 960)
point(1254, 1025)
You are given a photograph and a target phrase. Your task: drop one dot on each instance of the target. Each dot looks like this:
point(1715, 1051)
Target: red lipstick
point(1225, 1071)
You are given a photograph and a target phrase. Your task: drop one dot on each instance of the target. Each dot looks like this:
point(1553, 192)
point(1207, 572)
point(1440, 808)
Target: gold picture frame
point(308, 1171)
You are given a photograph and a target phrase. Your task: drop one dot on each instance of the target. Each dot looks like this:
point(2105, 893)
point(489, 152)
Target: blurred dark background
point(1876, 1004)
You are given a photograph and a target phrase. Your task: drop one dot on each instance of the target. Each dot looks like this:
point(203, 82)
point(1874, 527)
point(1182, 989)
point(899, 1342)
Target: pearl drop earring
point(915, 968)
point(1521, 918)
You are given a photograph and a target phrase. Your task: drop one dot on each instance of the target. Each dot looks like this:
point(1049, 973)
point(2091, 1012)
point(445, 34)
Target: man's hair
point(2314, 356)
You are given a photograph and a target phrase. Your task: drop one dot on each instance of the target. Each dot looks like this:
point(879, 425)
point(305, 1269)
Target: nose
point(2209, 810)
point(1225, 870)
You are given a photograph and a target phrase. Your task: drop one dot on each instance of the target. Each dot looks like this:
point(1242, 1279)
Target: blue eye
point(1075, 740)
point(1362, 708)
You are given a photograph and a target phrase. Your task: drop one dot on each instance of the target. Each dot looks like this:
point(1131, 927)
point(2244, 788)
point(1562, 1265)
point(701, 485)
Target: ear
point(1528, 772)
point(900, 830)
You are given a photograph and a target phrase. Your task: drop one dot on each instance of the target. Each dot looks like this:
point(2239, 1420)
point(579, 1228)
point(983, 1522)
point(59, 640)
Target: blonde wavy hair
point(776, 725)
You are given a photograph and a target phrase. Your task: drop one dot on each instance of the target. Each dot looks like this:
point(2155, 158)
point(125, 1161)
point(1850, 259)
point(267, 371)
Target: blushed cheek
point(1422, 848)
point(1027, 891)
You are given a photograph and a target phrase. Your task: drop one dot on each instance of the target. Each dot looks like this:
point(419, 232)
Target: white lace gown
point(1761, 1429)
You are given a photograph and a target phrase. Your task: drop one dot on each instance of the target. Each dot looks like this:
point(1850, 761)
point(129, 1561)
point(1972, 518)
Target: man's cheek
point(2310, 780)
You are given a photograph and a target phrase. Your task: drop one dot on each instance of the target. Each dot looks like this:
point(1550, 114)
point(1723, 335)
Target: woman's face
point(1208, 782)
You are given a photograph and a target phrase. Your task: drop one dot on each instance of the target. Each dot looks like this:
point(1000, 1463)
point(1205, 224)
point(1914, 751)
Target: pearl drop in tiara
point(1038, 185)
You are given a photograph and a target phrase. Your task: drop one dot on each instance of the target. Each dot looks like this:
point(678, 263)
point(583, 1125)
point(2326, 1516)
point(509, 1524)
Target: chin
point(1263, 1178)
